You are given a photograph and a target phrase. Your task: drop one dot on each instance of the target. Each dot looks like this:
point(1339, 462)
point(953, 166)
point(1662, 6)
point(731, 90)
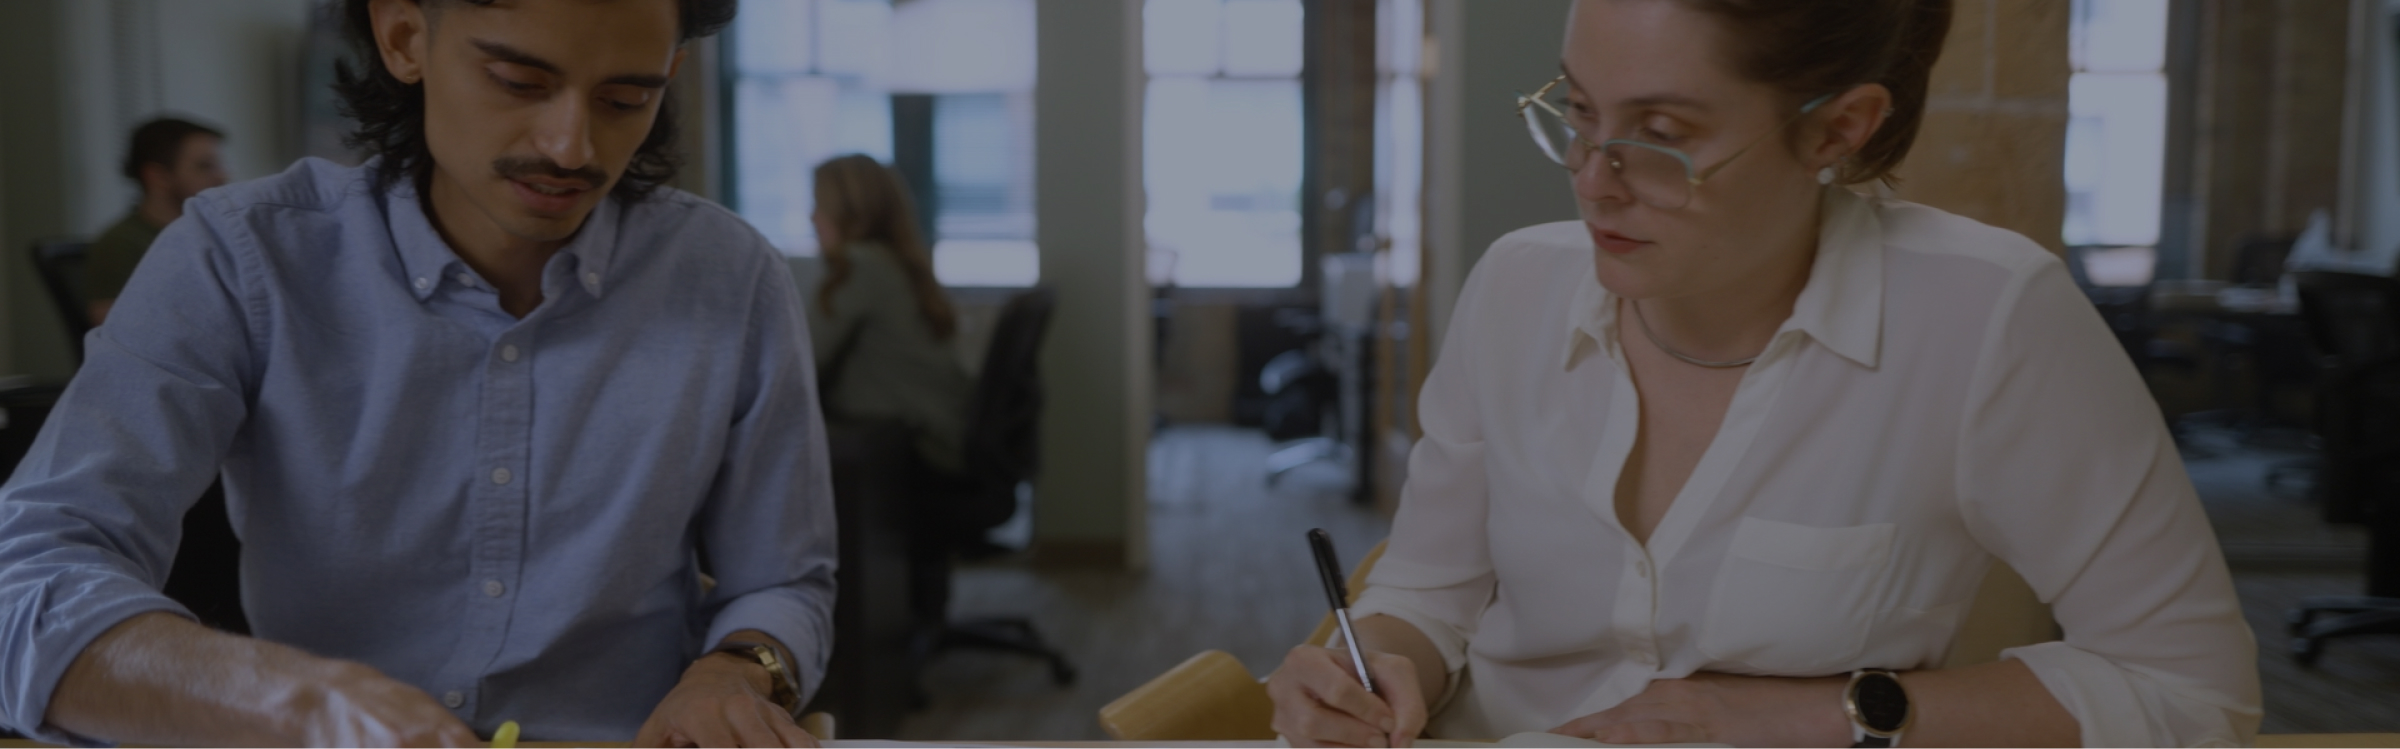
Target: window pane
point(987, 262)
point(773, 37)
point(2119, 35)
point(1262, 38)
point(1179, 37)
point(854, 37)
point(952, 46)
point(2116, 158)
point(1222, 170)
point(979, 163)
point(813, 79)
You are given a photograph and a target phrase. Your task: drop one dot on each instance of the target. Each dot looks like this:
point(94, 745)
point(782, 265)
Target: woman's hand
point(722, 701)
point(1319, 702)
point(1724, 709)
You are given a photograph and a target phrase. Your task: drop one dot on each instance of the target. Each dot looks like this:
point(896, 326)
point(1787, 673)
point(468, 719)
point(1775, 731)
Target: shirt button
point(493, 588)
point(424, 282)
point(1641, 568)
point(500, 475)
point(508, 353)
point(467, 280)
point(591, 281)
point(453, 699)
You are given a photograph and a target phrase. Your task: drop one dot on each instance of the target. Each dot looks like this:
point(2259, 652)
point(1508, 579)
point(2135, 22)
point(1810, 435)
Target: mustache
point(518, 167)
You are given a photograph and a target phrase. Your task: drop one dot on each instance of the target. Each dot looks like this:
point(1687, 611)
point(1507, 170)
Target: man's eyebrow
point(1652, 100)
point(514, 56)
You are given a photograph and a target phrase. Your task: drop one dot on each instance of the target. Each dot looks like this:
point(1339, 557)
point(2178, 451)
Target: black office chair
point(2355, 321)
point(1002, 446)
point(206, 575)
point(60, 263)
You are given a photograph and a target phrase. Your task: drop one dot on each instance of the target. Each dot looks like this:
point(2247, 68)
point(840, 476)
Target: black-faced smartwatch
point(1877, 706)
point(786, 692)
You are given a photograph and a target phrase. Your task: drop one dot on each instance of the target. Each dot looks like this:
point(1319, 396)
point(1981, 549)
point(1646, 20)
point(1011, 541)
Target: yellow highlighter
point(506, 737)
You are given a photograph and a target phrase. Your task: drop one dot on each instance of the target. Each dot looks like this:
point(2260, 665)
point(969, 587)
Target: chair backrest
point(1004, 423)
point(2258, 260)
point(2352, 317)
point(1002, 442)
point(60, 263)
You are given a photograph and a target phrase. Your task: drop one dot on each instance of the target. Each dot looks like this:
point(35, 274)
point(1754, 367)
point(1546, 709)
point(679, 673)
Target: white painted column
point(1090, 500)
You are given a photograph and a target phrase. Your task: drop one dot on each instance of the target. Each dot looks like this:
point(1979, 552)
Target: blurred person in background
point(881, 323)
point(171, 160)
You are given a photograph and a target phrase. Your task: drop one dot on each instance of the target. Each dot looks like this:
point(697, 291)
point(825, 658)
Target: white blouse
point(1942, 395)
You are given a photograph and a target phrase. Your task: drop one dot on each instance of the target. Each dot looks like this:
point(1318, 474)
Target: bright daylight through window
point(813, 79)
point(2116, 137)
point(1221, 141)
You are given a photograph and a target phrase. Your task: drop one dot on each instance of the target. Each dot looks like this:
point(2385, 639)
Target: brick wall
point(1993, 145)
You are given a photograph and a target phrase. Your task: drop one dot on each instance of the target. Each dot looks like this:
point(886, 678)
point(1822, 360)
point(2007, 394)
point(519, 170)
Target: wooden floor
point(1229, 571)
point(2281, 551)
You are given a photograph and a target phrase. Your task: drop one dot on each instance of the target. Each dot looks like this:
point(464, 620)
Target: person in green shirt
point(172, 160)
point(881, 324)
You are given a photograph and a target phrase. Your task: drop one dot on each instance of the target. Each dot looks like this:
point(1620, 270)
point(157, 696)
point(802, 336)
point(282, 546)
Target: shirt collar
point(427, 259)
point(1841, 307)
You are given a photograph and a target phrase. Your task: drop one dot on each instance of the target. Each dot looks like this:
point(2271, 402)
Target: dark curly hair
point(390, 115)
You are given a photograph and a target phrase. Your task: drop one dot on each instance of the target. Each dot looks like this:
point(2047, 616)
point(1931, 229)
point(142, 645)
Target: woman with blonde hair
point(881, 322)
point(1725, 460)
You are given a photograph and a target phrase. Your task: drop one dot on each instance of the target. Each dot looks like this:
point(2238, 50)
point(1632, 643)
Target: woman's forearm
point(1391, 634)
point(1992, 704)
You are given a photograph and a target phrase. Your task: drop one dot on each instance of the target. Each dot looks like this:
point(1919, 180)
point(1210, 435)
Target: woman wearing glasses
point(1726, 460)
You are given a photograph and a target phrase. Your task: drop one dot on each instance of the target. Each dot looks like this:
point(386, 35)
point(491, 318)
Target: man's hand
point(350, 704)
point(1723, 709)
point(1319, 702)
point(721, 701)
point(159, 678)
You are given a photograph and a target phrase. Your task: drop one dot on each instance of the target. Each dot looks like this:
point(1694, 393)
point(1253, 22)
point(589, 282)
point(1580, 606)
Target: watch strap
point(785, 692)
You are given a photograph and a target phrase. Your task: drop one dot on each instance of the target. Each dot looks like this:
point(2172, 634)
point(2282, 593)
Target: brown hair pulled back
point(1810, 48)
point(868, 202)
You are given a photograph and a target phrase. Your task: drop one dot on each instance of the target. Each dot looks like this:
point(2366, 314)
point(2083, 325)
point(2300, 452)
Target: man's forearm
point(782, 652)
point(158, 678)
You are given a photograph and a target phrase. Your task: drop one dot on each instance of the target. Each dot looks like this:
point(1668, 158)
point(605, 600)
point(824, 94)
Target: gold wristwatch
point(786, 690)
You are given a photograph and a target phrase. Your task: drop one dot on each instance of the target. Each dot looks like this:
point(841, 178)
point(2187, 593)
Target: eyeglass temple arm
point(1811, 106)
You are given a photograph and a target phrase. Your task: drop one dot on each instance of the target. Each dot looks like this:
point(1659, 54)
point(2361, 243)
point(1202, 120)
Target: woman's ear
point(400, 31)
point(1850, 118)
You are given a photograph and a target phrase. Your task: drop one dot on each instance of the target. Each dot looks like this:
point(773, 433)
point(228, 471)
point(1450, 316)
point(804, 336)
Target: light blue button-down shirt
point(506, 513)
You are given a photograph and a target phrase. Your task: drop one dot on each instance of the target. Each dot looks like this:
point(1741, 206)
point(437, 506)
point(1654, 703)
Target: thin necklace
point(1662, 345)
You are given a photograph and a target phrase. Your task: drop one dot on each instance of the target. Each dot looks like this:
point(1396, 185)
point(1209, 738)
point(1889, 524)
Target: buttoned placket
point(498, 505)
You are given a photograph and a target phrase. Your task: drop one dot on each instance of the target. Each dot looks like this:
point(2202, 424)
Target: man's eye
point(514, 86)
point(625, 106)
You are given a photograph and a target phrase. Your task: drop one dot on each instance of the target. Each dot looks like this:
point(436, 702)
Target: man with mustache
point(484, 408)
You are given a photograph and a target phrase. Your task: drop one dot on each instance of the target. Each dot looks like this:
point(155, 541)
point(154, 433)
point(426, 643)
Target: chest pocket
point(1795, 600)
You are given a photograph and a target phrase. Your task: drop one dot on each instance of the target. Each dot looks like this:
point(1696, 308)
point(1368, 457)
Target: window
point(814, 79)
point(1221, 133)
point(1400, 136)
point(2116, 134)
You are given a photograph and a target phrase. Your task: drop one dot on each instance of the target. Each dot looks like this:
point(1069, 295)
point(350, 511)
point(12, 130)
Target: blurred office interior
point(1255, 216)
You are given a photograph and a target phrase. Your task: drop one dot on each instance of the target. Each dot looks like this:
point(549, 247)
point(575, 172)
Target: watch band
point(1878, 707)
point(786, 690)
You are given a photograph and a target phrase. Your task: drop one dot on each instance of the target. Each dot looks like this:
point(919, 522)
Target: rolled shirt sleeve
point(1436, 573)
point(90, 522)
point(2069, 475)
point(768, 522)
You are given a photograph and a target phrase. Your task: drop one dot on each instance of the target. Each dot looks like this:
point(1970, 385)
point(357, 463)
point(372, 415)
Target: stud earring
point(1825, 176)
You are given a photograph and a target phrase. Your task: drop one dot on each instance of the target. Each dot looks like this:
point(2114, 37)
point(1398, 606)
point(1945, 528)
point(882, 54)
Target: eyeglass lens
point(1653, 177)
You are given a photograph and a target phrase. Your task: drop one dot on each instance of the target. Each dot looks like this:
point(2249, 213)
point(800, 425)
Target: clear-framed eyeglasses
point(1656, 175)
